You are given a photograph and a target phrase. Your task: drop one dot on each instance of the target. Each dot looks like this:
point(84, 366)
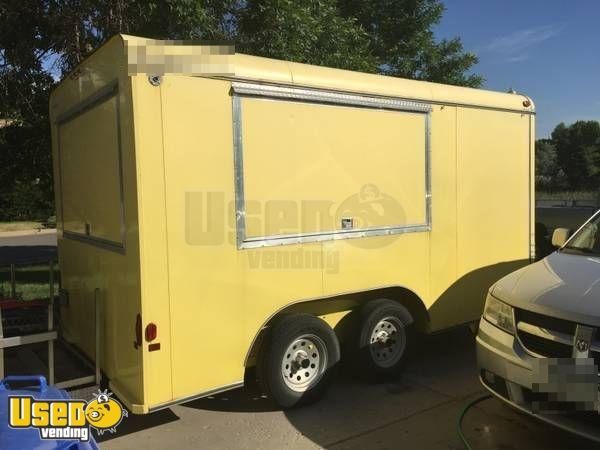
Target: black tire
point(278, 355)
point(384, 339)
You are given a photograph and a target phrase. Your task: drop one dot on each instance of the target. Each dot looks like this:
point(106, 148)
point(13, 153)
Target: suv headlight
point(499, 314)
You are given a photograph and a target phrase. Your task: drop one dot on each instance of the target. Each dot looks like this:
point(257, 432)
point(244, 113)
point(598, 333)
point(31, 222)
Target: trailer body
point(204, 207)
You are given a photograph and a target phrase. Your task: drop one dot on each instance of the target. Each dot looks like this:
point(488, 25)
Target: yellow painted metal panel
point(153, 258)
point(263, 69)
point(445, 308)
point(424, 262)
point(271, 70)
point(379, 261)
point(532, 218)
point(493, 204)
point(89, 271)
point(206, 282)
point(276, 71)
point(220, 296)
point(312, 164)
point(345, 80)
point(90, 172)
point(493, 188)
point(181, 268)
point(97, 71)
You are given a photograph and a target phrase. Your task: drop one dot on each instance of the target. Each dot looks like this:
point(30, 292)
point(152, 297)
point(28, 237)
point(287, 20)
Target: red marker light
point(151, 332)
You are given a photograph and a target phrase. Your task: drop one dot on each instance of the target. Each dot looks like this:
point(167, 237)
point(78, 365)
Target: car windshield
point(587, 239)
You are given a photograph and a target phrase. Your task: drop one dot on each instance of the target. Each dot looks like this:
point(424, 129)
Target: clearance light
point(151, 332)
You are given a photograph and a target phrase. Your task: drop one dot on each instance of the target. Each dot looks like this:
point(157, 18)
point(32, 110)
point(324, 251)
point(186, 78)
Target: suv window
point(587, 240)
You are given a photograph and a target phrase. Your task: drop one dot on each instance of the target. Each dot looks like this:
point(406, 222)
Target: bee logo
point(66, 419)
point(104, 413)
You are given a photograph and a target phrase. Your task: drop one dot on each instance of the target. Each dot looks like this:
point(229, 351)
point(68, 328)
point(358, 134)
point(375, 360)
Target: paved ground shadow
point(136, 423)
point(418, 410)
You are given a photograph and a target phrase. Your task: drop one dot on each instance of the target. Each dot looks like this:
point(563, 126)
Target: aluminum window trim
point(323, 97)
point(102, 95)
point(431, 101)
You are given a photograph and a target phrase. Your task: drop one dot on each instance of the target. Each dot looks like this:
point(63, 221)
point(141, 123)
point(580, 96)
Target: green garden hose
point(462, 415)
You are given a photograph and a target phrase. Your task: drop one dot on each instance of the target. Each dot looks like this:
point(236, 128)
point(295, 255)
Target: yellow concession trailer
point(261, 218)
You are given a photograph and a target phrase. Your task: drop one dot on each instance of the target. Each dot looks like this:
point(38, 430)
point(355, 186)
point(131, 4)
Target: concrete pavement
point(29, 246)
point(418, 411)
point(28, 237)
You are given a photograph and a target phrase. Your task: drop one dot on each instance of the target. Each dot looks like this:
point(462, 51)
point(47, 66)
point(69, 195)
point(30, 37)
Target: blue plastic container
point(29, 438)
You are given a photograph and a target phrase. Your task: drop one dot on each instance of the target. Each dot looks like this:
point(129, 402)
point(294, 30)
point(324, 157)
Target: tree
point(44, 39)
point(578, 153)
point(40, 40)
point(546, 166)
point(25, 161)
point(307, 31)
point(402, 40)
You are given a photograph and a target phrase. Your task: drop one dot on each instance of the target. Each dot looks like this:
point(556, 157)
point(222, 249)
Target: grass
point(31, 282)
point(567, 195)
point(20, 226)
point(27, 291)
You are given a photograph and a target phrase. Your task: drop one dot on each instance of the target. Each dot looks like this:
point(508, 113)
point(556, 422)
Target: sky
point(549, 50)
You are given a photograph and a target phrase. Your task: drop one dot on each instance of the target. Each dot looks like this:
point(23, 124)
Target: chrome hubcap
point(304, 362)
point(387, 342)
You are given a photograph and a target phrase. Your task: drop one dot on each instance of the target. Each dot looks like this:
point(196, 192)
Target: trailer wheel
point(299, 360)
point(384, 338)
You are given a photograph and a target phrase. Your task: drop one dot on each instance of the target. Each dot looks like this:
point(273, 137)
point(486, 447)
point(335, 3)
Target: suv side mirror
point(560, 236)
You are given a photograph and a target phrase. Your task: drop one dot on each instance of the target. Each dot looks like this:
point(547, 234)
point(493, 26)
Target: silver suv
point(538, 345)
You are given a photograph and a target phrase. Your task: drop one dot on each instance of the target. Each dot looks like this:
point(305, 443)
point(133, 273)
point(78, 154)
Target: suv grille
point(559, 347)
point(545, 347)
point(551, 323)
point(559, 337)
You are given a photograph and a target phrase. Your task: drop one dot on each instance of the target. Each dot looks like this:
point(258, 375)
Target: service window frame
point(241, 90)
point(102, 95)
